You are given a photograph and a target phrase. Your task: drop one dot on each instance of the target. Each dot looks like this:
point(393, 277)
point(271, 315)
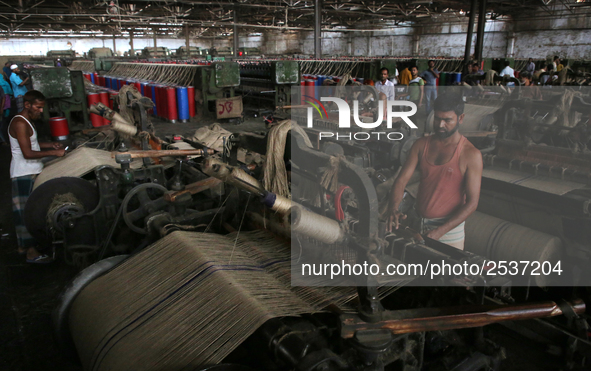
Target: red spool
point(59, 128)
point(171, 102)
point(95, 119)
point(86, 76)
point(310, 87)
point(111, 99)
point(191, 96)
point(138, 86)
point(102, 81)
point(104, 99)
point(96, 78)
point(302, 91)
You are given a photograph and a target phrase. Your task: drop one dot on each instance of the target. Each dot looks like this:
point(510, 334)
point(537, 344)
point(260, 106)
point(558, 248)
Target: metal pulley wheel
point(44, 213)
point(141, 202)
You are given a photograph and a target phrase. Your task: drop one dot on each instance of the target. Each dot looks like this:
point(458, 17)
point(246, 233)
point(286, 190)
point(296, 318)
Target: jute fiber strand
point(172, 74)
point(82, 66)
point(77, 163)
point(186, 301)
point(275, 173)
point(497, 239)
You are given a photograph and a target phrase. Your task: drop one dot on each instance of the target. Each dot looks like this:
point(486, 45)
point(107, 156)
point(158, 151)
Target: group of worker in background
point(421, 87)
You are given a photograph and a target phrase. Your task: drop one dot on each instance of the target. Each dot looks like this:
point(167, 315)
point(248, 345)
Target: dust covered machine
point(65, 94)
point(214, 85)
point(268, 83)
point(214, 261)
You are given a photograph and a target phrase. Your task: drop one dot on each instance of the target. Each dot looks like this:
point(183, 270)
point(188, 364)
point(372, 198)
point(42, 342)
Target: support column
point(511, 44)
point(416, 40)
point(131, 50)
point(235, 34)
point(155, 43)
point(317, 29)
point(468, 49)
point(114, 45)
point(187, 41)
point(480, 33)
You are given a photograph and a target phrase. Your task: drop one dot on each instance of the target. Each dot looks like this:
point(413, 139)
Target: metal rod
point(439, 319)
point(235, 34)
point(164, 153)
point(470, 31)
point(317, 28)
point(480, 33)
point(114, 45)
point(155, 36)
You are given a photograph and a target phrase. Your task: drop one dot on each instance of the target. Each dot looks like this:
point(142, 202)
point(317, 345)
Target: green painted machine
point(218, 80)
point(269, 83)
point(64, 93)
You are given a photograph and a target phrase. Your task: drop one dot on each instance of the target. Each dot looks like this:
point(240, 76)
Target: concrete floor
point(28, 293)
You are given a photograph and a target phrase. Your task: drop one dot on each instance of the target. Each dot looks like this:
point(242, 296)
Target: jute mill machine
point(65, 94)
point(216, 81)
point(206, 276)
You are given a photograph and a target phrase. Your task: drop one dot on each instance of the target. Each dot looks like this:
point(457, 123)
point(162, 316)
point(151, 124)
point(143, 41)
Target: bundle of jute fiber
point(498, 240)
point(77, 163)
point(186, 301)
point(215, 137)
point(275, 173)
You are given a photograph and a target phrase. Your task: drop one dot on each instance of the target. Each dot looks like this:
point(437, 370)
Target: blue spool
point(107, 83)
point(458, 77)
point(154, 98)
point(92, 78)
point(182, 103)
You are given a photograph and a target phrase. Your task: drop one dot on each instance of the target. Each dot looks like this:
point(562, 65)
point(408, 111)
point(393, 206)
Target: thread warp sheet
point(77, 163)
point(189, 300)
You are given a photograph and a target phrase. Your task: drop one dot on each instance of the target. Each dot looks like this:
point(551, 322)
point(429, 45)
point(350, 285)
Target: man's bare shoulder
point(18, 124)
point(471, 154)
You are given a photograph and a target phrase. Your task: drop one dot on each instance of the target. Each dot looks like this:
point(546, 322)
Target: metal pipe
point(317, 28)
point(480, 33)
point(470, 31)
point(114, 45)
point(131, 50)
point(235, 34)
point(438, 319)
point(155, 36)
point(187, 41)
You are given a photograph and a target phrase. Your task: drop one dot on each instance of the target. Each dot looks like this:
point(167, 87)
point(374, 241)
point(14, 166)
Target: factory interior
point(213, 170)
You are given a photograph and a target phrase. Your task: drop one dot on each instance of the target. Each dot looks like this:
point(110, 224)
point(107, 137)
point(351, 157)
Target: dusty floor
point(28, 293)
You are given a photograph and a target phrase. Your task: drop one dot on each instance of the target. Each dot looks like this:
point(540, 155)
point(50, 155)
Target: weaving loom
point(196, 296)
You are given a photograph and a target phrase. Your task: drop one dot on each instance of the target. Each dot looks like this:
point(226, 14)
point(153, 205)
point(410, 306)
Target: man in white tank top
point(27, 153)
